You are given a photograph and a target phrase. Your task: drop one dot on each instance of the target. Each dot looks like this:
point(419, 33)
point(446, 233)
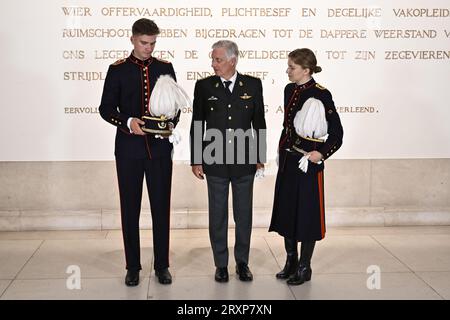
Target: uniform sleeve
point(197, 127)
point(283, 131)
point(172, 72)
point(173, 75)
point(110, 102)
point(259, 124)
point(335, 130)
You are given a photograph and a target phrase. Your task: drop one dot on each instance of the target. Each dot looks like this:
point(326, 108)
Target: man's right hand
point(136, 128)
point(197, 170)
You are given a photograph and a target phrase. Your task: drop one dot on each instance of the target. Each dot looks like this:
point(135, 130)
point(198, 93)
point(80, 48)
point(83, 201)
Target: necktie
point(227, 86)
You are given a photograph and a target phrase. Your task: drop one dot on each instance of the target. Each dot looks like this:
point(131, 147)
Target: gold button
point(229, 118)
point(144, 68)
point(212, 109)
point(229, 141)
point(229, 106)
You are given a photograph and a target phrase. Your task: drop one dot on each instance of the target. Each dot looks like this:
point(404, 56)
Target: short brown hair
point(145, 26)
point(306, 59)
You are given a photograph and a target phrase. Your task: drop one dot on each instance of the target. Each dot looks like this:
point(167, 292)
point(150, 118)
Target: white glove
point(303, 163)
point(175, 137)
point(259, 173)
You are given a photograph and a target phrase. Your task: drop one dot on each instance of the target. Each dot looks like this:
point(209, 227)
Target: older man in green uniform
point(228, 110)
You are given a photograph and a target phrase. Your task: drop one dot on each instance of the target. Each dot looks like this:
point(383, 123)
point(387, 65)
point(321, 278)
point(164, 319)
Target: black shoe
point(132, 278)
point(164, 276)
point(302, 274)
point(244, 272)
point(221, 274)
point(289, 267)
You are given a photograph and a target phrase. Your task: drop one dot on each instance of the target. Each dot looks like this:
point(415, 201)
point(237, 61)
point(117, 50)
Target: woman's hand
point(315, 156)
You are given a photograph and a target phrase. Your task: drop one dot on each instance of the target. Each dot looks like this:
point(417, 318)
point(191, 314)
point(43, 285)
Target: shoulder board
point(119, 61)
point(251, 77)
point(163, 61)
point(320, 87)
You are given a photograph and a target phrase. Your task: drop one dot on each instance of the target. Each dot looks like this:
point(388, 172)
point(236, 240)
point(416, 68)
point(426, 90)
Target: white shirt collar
point(232, 79)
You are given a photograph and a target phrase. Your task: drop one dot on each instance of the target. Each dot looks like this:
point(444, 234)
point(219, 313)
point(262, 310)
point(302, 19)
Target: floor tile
point(205, 288)
point(14, 254)
point(48, 235)
point(56, 289)
point(344, 254)
point(419, 252)
point(402, 286)
point(95, 258)
point(3, 285)
point(439, 281)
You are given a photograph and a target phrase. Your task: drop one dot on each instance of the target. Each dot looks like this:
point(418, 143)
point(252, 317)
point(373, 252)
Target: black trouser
point(158, 175)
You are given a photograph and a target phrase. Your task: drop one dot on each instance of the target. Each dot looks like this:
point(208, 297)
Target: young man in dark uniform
point(226, 104)
point(126, 96)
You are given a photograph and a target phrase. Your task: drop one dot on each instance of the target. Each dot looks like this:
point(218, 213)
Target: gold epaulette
point(320, 87)
point(119, 61)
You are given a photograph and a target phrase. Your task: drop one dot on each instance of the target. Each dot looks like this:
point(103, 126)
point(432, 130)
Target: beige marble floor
point(411, 263)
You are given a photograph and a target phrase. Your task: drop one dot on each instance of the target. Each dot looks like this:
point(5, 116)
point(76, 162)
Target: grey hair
point(230, 47)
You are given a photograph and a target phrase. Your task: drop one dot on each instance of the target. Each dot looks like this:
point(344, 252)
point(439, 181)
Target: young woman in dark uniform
point(299, 210)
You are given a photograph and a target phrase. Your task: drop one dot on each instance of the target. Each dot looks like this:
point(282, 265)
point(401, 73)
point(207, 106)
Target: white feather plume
point(167, 98)
point(310, 121)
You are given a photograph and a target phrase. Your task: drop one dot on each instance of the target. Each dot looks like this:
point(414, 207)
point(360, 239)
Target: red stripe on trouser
point(321, 202)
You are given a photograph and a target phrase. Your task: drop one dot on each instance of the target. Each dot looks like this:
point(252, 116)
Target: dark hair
point(306, 58)
point(145, 26)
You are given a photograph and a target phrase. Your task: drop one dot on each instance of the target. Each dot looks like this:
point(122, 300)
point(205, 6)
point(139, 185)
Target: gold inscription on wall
point(366, 25)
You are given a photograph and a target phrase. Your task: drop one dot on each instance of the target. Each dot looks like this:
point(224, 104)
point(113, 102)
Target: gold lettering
point(230, 33)
point(343, 34)
point(96, 33)
point(405, 34)
point(354, 12)
point(155, 12)
point(83, 76)
point(76, 11)
point(417, 55)
point(256, 12)
point(421, 13)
